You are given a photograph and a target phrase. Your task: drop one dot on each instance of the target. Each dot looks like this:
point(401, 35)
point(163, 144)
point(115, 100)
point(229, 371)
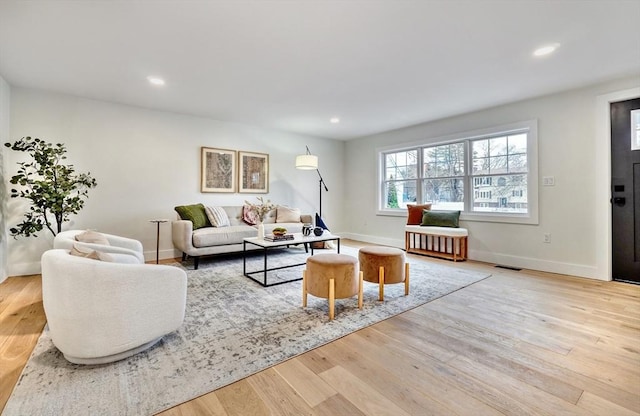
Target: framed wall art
point(253, 174)
point(218, 170)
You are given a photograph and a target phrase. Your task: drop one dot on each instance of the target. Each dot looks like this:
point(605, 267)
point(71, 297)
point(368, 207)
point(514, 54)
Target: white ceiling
point(292, 65)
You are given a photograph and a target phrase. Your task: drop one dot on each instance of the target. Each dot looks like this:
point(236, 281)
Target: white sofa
point(118, 246)
point(218, 240)
point(99, 312)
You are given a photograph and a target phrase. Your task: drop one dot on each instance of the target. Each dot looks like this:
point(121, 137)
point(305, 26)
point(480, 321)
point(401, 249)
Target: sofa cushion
point(79, 251)
point(213, 236)
point(217, 216)
point(286, 214)
point(249, 216)
point(440, 218)
point(194, 213)
point(93, 237)
point(414, 213)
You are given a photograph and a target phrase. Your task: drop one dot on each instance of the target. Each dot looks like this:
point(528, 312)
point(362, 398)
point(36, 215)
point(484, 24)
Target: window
point(401, 171)
point(443, 170)
point(489, 175)
point(505, 159)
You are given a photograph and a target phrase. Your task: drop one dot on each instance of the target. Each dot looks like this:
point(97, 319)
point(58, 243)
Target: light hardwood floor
point(517, 343)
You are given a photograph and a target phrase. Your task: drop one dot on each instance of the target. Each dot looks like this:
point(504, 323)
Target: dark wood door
point(625, 193)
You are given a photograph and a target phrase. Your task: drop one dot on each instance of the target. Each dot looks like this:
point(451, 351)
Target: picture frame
point(253, 172)
point(217, 170)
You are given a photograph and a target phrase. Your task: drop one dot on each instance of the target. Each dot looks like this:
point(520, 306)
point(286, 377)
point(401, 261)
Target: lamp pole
point(325, 188)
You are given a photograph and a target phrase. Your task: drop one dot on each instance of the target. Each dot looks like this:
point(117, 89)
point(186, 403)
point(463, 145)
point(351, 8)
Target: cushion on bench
point(443, 231)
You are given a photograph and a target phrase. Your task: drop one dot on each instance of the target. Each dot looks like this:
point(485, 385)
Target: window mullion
point(467, 180)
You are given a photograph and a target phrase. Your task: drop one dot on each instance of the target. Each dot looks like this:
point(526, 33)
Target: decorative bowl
point(279, 231)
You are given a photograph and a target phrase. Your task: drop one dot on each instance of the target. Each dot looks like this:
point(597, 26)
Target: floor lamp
point(310, 162)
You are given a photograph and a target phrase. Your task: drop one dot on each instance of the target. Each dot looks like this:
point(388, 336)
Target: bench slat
point(442, 242)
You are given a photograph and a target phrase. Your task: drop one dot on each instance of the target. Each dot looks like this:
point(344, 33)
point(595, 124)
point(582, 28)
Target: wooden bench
point(443, 242)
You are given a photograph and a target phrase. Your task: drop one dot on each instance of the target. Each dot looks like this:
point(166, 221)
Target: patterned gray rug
point(233, 328)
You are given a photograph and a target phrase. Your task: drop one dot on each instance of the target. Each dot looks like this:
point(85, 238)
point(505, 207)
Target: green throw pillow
point(440, 218)
point(194, 213)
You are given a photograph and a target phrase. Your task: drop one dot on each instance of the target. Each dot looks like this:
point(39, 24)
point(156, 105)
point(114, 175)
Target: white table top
point(298, 238)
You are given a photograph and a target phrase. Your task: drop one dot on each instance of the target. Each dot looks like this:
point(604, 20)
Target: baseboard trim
point(392, 242)
point(579, 270)
point(24, 269)
point(550, 266)
point(169, 253)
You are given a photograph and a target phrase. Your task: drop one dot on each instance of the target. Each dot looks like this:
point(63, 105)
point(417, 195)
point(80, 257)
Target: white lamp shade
point(306, 162)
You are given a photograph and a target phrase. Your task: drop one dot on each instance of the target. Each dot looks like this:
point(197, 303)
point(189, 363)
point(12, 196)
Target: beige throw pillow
point(87, 253)
point(92, 237)
point(217, 216)
point(286, 214)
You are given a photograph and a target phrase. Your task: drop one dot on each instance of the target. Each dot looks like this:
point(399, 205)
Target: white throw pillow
point(286, 214)
point(217, 216)
point(88, 253)
point(92, 237)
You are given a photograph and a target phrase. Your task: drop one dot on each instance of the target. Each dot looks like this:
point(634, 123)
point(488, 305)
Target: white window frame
point(531, 217)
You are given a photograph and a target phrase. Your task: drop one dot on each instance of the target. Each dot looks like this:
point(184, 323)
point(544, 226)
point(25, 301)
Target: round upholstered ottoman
point(332, 276)
point(384, 265)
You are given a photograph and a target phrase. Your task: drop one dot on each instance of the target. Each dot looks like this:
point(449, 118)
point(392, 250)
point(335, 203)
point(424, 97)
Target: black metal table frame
point(265, 270)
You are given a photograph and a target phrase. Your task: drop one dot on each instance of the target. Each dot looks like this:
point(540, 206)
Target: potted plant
point(54, 190)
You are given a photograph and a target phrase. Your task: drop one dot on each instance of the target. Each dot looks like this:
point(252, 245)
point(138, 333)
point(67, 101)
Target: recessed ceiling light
point(155, 80)
point(334, 120)
point(546, 50)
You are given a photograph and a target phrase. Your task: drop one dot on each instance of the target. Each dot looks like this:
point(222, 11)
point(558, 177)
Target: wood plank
point(543, 402)
point(336, 406)
point(600, 406)
point(22, 321)
point(305, 382)
point(240, 399)
point(315, 362)
point(363, 396)
point(380, 375)
point(206, 405)
point(406, 368)
point(512, 329)
point(277, 395)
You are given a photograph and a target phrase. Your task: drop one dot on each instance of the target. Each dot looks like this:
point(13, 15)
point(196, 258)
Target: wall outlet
point(547, 238)
point(548, 181)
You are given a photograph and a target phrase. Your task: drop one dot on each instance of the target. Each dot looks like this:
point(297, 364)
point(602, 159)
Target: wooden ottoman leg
point(304, 288)
point(360, 280)
point(381, 284)
point(332, 298)
point(406, 279)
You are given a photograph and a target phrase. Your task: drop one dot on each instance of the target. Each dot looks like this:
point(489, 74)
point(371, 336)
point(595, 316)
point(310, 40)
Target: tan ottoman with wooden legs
point(384, 265)
point(332, 276)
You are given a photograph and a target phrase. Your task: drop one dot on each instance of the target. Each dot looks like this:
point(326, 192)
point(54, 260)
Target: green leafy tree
point(392, 197)
point(54, 190)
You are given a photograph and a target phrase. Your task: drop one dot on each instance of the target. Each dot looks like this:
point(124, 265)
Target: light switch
point(548, 180)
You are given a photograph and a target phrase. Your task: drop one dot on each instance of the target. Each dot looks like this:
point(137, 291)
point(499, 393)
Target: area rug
point(232, 329)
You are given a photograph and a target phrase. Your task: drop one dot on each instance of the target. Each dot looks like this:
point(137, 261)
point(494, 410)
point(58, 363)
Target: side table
point(158, 222)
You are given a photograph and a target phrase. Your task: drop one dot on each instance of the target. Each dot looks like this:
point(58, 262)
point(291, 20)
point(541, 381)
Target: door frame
point(603, 179)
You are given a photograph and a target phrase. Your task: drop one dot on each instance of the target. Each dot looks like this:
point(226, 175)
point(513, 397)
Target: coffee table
point(266, 245)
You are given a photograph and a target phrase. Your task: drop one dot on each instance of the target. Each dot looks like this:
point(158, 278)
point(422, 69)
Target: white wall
point(146, 162)
point(567, 143)
point(4, 137)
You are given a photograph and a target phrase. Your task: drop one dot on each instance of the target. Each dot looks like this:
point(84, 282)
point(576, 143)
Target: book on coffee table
point(276, 237)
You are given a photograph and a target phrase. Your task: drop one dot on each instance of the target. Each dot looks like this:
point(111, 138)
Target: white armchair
point(99, 312)
point(117, 245)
